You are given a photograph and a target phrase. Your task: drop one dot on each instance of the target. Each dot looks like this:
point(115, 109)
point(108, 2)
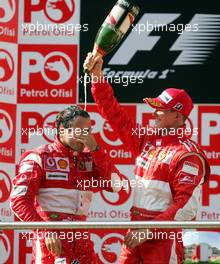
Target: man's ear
point(177, 116)
point(180, 118)
point(61, 130)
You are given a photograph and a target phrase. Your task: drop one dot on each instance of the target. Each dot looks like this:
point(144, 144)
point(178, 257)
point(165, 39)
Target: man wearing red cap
point(169, 170)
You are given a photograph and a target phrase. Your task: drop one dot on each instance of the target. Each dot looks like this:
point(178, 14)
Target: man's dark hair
point(67, 116)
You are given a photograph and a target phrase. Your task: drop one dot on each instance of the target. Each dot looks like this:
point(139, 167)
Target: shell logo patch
point(151, 153)
point(62, 164)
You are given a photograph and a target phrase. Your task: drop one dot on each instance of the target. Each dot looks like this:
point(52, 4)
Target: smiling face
point(168, 119)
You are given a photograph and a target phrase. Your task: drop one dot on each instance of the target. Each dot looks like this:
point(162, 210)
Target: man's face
point(81, 126)
point(166, 119)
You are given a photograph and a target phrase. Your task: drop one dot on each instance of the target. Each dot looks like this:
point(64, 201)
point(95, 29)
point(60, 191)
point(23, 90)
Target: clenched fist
point(94, 65)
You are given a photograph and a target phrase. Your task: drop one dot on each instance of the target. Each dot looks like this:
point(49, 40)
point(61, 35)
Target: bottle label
point(115, 14)
point(126, 23)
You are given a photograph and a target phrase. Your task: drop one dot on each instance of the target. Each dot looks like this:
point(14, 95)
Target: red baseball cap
point(172, 98)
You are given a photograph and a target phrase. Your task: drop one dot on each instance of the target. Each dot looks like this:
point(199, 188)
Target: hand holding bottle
point(94, 64)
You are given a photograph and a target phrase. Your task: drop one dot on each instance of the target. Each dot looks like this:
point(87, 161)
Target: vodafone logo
point(6, 65)
point(5, 186)
point(6, 126)
point(57, 11)
point(7, 10)
point(108, 247)
point(56, 68)
point(51, 162)
point(119, 198)
point(5, 248)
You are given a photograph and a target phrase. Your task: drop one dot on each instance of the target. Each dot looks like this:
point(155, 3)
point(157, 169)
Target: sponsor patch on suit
point(57, 163)
point(61, 176)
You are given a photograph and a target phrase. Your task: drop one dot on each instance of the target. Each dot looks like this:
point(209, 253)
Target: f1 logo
point(6, 65)
point(190, 43)
point(56, 68)
point(7, 10)
point(57, 11)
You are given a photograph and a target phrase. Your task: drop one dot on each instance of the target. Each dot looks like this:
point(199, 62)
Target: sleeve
point(110, 179)
point(186, 188)
point(25, 187)
point(116, 116)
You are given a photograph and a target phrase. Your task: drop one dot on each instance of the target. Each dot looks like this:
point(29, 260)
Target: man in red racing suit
point(55, 182)
point(169, 171)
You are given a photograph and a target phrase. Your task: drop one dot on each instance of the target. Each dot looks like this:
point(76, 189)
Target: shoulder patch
point(191, 168)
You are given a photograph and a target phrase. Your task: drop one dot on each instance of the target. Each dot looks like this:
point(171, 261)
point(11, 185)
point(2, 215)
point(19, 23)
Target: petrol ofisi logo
point(5, 248)
point(7, 135)
point(52, 68)
point(119, 198)
point(5, 186)
point(7, 10)
point(108, 246)
point(57, 11)
point(6, 65)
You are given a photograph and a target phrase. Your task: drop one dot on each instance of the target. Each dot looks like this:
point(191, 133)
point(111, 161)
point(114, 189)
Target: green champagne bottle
point(114, 27)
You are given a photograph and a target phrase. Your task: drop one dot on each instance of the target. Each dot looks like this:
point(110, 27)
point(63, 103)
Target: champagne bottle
point(114, 28)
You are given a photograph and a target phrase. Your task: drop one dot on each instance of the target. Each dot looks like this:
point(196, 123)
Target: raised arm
point(111, 110)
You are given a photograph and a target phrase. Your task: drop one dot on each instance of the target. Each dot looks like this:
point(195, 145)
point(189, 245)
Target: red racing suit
point(169, 172)
point(55, 183)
